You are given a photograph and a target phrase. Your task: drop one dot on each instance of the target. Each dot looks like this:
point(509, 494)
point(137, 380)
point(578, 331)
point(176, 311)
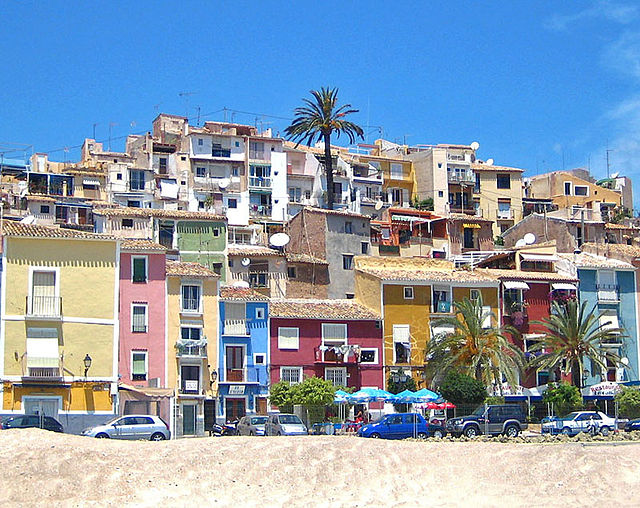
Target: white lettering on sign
point(191, 385)
point(236, 390)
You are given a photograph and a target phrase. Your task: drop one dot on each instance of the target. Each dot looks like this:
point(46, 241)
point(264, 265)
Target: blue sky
point(533, 82)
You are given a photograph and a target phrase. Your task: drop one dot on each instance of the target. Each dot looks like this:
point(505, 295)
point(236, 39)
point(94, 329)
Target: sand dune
point(40, 468)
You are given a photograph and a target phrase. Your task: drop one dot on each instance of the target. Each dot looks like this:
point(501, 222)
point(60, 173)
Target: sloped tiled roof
point(241, 294)
point(139, 244)
point(611, 225)
point(252, 250)
point(607, 249)
point(293, 257)
point(143, 213)
point(468, 218)
point(321, 309)
point(491, 167)
point(44, 199)
point(413, 274)
point(503, 274)
point(184, 268)
point(325, 211)
point(14, 228)
point(587, 260)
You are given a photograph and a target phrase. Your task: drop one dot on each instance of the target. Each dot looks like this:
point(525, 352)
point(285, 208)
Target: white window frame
point(375, 360)
point(200, 303)
point(448, 289)
point(146, 363)
point(146, 268)
point(472, 292)
point(351, 261)
point(396, 171)
point(404, 292)
point(400, 326)
point(146, 315)
point(54, 269)
point(581, 195)
point(198, 326)
point(343, 373)
point(564, 188)
point(344, 325)
point(292, 368)
point(280, 346)
point(255, 359)
point(260, 313)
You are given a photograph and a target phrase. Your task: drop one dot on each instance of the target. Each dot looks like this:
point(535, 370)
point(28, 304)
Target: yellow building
point(398, 177)
point(497, 195)
point(192, 328)
point(59, 331)
point(410, 294)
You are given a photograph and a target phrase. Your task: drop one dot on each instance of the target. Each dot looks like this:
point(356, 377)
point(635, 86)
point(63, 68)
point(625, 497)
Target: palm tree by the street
point(317, 120)
point(482, 352)
point(572, 335)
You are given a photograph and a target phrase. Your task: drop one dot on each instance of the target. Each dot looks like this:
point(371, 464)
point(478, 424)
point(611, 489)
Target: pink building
point(338, 340)
point(142, 355)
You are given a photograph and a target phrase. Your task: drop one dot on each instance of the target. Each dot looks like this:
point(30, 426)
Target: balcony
point(257, 155)
point(329, 356)
point(235, 327)
point(221, 152)
point(260, 182)
point(467, 176)
point(43, 368)
point(443, 307)
point(260, 210)
point(608, 293)
point(504, 214)
point(190, 386)
point(44, 307)
point(466, 209)
point(191, 348)
point(455, 157)
point(245, 375)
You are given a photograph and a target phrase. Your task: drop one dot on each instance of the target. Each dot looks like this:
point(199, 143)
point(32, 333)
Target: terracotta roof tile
point(141, 244)
point(184, 268)
point(334, 212)
point(14, 228)
point(611, 249)
point(524, 275)
point(611, 225)
point(587, 260)
point(491, 167)
point(252, 250)
point(419, 269)
point(321, 309)
point(304, 258)
point(44, 199)
point(154, 212)
point(468, 218)
point(243, 294)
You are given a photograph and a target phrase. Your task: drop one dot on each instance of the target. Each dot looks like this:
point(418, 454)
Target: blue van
point(401, 426)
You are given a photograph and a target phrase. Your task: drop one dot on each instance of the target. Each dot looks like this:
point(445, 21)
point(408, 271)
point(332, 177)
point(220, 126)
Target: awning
point(564, 285)
point(168, 189)
point(93, 182)
point(148, 391)
point(515, 284)
point(472, 226)
point(539, 257)
point(609, 321)
point(412, 220)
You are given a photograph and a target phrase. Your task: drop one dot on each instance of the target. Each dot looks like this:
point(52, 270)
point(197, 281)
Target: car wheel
point(158, 436)
point(279, 433)
point(566, 431)
point(438, 434)
point(471, 431)
point(605, 431)
point(511, 431)
point(375, 435)
point(102, 435)
point(422, 435)
point(251, 433)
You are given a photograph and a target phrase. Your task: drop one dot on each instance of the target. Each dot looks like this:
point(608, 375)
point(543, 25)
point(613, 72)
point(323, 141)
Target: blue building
point(609, 285)
point(243, 378)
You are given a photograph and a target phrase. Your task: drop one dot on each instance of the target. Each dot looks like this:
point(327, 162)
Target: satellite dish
point(521, 243)
point(475, 145)
point(529, 238)
point(379, 205)
point(240, 284)
point(245, 262)
point(489, 162)
point(279, 239)
point(224, 183)
point(615, 175)
point(29, 219)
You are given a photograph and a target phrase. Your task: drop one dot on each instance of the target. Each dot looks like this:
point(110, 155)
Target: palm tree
point(573, 334)
point(317, 120)
point(484, 353)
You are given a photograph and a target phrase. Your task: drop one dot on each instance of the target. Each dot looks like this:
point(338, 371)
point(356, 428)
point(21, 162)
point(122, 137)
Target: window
point(476, 188)
point(230, 263)
point(295, 194)
point(216, 232)
point(136, 179)
point(474, 295)
point(348, 227)
point(307, 194)
point(190, 333)
point(513, 301)
point(45, 209)
point(567, 188)
point(337, 188)
point(441, 301)
point(201, 172)
point(118, 176)
point(396, 171)
point(440, 194)
point(396, 196)
point(408, 293)
point(43, 356)
point(349, 296)
point(347, 261)
point(138, 365)
point(504, 210)
point(288, 338)
point(291, 375)
point(139, 268)
point(200, 141)
point(580, 190)
point(139, 318)
point(232, 203)
point(369, 356)
point(401, 344)
point(260, 313)
point(190, 378)
point(334, 337)
point(162, 168)
point(503, 181)
point(133, 204)
point(127, 223)
point(259, 359)
point(292, 272)
point(191, 298)
point(337, 375)
point(364, 247)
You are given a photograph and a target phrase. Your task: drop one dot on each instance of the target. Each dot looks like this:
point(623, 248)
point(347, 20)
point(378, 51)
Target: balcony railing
point(235, 327)
point(257, 155)
point(195, 348)
point(260, 182)
point(221, 152)
point(44, 307)
point(190, 386)
point(462, 176)
point(608, 292)
point(467, 209)
point(505, 214)
point(455, 157)
point(330, 356)
point(44, 372)
point(43, 367)
point(245, 375)
point(260, 211)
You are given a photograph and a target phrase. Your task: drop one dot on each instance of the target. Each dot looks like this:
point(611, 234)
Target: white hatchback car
point(580, 421)
point(149, 427)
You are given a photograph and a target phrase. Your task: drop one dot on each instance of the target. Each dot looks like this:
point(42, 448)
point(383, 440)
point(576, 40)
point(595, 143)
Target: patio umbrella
point(440, 405)
point(340, 397)
point(370, 395)
point(426, 395)
point(407, 397)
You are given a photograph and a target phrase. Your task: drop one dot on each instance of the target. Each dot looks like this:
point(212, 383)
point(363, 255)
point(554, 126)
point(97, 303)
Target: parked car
point(31, 421)
point(131, 427)
point(507, 419)
point(401, 426)
point(580, 421)
point(284, 425)
point(251, 425)
point(632, 425)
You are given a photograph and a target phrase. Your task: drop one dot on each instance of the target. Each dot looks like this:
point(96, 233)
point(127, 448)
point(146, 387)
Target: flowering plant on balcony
point(563, 296)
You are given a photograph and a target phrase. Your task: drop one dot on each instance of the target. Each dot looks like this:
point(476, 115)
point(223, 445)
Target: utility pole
point(111, 124)
point(608, 166)
point(94, 130)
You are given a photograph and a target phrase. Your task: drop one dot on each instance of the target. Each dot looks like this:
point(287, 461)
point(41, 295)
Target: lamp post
point(87, 364)
point(214, 376)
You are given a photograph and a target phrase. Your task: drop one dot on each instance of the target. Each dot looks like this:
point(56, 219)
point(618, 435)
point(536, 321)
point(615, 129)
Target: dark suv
point(507, 419)
point(30, 421)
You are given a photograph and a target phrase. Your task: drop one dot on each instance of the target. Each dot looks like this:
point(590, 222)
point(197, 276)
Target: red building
point(338, 340)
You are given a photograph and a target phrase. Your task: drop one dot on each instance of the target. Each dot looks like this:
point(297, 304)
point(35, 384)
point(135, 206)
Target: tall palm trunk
point(576, 374)
point(328, 167)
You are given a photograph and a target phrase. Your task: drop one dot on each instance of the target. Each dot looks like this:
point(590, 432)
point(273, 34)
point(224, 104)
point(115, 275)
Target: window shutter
point(139, 364)
point(334, 332)
point(288, 338)
point(401, 333)
point(139, 270)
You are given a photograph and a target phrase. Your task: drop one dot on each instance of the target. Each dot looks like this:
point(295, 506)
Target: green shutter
point(139, 270)
point(139, 364)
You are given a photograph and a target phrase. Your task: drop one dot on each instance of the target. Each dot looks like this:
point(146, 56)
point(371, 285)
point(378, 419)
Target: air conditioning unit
point(154, 382)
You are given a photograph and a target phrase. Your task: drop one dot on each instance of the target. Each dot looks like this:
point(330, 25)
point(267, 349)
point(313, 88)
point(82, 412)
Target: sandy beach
point(41, 468)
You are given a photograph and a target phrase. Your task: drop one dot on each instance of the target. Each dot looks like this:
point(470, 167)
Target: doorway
point(235, 409)
point(261, 405)
point(189, 420)
point(43, 406)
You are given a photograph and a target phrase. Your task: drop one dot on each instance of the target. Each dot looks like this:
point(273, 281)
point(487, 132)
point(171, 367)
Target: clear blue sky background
point(533, 82)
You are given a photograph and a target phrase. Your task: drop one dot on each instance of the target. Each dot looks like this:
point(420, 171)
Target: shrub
point(564, 398)
point(462, 389)
point(281, 396)
point(494, 400)
point(629, 402)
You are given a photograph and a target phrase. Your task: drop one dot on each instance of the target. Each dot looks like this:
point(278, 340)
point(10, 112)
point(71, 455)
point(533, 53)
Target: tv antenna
point(185, 96)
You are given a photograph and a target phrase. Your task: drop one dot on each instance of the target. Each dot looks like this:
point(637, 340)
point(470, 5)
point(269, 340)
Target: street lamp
point(214, 375)
point(87, 364)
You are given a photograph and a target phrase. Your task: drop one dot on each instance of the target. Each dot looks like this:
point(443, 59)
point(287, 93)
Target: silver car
point(131, 427)
point(284, 425)
point(251, 425)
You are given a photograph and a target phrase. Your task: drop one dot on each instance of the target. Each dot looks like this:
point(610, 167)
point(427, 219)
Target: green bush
point(629, 402)
point(491, 400)
point(281, 396)
point(313, 391)
point(462, 389)
point(564, 398)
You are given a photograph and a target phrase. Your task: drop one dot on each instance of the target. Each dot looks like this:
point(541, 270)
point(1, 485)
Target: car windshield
point(479, 411)
point(113, 420)
point(290, 419)
point(259, 420)
point(571, 416)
